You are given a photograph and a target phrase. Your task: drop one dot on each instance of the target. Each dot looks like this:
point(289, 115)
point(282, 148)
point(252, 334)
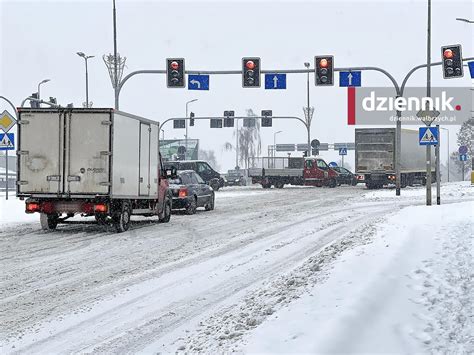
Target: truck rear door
point(87, 152)
point(40, 152)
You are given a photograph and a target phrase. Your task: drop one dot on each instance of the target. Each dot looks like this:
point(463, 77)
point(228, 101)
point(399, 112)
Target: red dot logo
point(458, 107)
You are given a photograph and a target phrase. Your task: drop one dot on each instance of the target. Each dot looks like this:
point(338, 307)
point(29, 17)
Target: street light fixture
point(464, 20)
point(274, 142)
point(86, 57)
point(186, 121)
point(42, 82)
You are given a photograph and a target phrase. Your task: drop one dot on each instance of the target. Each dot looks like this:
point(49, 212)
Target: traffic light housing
point(229, 118)
point(251, 72)
point(267, 118)
point(33, 103)
point(452, 61)
point(191, 119)
point(175, 72)
point(324, 70)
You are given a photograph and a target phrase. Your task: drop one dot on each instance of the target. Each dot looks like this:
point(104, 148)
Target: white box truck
point(375, 157)
point(93, 162)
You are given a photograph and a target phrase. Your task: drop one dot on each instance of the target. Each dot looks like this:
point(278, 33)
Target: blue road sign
point(342, 151)
point(198, 82)
point(275, 81)
point(350, 78)
point(471, 69)
point(462, 149)
point(428, 136)
point(463, 157)
point(7, 141)
point(332, 164)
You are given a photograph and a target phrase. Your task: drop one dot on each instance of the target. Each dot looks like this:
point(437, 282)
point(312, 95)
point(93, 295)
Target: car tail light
point(100, 207)
point(32, 207)
point(183, 192)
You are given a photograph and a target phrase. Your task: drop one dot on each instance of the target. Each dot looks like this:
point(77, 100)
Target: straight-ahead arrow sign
point(275, 81)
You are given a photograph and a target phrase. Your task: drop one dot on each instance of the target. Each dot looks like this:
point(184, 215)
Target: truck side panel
point(155, 166)
point(413, 155)
point(125, 159)
point(40, 152)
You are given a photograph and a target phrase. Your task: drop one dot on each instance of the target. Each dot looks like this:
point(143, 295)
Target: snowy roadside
point(410, 290)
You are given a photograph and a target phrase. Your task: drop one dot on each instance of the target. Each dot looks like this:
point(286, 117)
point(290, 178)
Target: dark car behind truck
point(205, 171)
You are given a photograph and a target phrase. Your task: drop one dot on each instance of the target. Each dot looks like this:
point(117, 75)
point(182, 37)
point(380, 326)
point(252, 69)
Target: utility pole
point(186, 123)
point(308, 111)
point(428, 94)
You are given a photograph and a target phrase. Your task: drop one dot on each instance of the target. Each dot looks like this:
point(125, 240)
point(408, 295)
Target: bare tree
point(250, 145)
point(210, 157)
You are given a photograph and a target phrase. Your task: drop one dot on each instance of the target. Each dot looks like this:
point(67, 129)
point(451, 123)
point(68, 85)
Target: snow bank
point(409, 291)
point(13, 211)
point(449, 190)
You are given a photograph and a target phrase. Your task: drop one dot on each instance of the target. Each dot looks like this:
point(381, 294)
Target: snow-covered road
point(201, 282)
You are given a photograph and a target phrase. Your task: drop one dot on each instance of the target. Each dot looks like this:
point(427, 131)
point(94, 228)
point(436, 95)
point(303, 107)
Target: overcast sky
point(39, 39)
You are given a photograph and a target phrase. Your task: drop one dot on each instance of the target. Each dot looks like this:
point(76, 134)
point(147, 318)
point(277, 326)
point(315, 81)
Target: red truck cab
point(317, 173)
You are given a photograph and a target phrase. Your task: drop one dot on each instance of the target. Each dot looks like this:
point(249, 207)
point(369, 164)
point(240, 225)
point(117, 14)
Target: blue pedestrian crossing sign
point(198, 82)
point(7, 141)
point(428, 135)
point(275, 81)
point(471, 69)
point(463, 157)
point(342, 151)
point(350, 78)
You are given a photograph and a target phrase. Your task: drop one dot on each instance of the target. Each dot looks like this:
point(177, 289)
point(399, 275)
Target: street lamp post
point(308, 111)
point(40, 83)
point(274, 143)
point(186, 122)
point(449, 158)
point(86, 57)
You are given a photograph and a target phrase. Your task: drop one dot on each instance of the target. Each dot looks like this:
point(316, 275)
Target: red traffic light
point(323, 63)
point(448, 54)
point(174, 65)
point(250, 64)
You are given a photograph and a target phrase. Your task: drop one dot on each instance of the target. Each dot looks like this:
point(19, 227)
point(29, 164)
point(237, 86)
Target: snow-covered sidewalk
point(410, 290)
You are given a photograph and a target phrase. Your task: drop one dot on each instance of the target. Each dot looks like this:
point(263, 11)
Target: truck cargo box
point(94, 162)
point(87, 152)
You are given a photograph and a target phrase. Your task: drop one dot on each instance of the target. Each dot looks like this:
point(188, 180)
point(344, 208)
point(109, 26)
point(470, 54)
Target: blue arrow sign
point(342, 151)
point(428, 136)
point(7, 141)
point(275, 81)
point(462, 157)
point(332, 164)
point(350, 78)
point(198, 82)
point(471, 69)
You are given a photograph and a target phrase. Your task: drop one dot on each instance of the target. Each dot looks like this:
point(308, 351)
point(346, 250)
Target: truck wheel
point(210, 205)
point(121, 219)
point(48, 221)
point(165, 215)
point(192, 206)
